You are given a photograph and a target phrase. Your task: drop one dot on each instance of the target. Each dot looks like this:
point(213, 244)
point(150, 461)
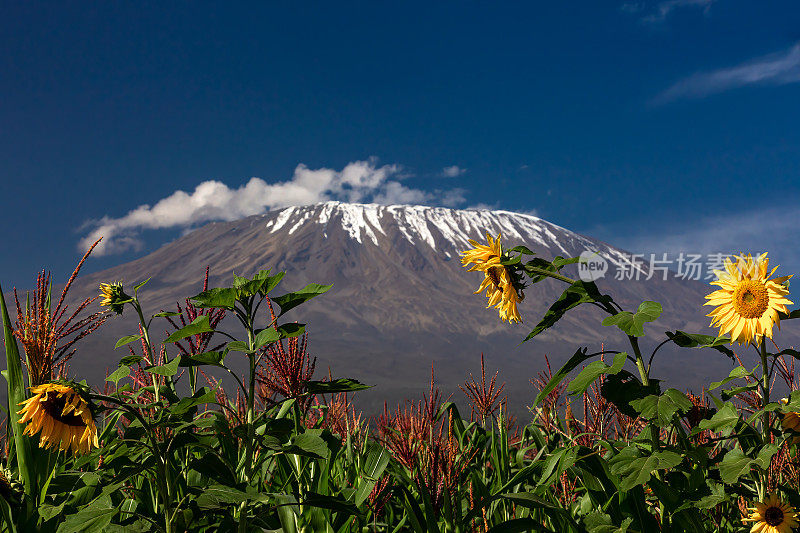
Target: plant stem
point(148, 346)
point(543, 272)
point(248, 445)
point(765, 416)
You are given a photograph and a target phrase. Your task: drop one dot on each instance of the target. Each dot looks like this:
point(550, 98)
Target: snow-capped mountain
point(400, 297)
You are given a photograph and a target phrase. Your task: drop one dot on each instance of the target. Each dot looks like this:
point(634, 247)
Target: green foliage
point(178, 456)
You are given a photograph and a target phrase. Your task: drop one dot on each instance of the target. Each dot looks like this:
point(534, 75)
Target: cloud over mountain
point(358, 181)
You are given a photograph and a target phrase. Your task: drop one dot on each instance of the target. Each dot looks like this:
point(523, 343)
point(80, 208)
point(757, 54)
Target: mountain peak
point(440, 228)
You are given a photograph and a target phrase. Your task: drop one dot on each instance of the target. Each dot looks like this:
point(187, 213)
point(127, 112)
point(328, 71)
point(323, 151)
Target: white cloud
point(663, 9)
point(453, 171)
point(359, 181)
point(774, 69)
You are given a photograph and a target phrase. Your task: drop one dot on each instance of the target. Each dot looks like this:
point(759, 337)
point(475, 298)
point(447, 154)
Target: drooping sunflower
point(498, 281)
point(748, 302)
point(772, 516)
point(790, 422)
point(63, 416)
point(113, 296)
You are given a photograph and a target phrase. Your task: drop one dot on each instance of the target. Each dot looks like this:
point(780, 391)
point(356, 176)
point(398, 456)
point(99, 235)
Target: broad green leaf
point(270, 335)
point(308, 444)
point(633, 323)
point(599, 522)
point(593, 371)
point(735, 464)
point(293, 299)
point(662, 408)
point(723, 421)
point(578, 293)
point(220, 495)
point(693, 340)
point(92, 519)
point(118, 374)
point(127, 339)
point(335, 386)
point(223, 298)
point(169, 369)
point(635, 469)
point(198, 325)
point(205, 358)
point(238, 346)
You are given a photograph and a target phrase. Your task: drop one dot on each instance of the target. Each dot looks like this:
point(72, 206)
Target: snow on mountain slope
point(439, 228)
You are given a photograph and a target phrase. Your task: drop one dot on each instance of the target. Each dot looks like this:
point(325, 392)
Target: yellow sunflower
point(790, 421)
point(772, 516)
point(62, 415)
point(113, 296)
point(498, 281)
point(748, 302)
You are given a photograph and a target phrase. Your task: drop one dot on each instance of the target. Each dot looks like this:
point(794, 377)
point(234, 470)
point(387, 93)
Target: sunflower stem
point(148, 346)
point(548, 273)
point(765, 415)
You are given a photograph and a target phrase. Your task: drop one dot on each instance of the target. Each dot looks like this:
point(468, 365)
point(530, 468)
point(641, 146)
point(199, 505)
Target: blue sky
point(657, 126)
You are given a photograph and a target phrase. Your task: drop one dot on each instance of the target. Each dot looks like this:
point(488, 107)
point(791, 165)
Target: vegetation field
point(605, 448)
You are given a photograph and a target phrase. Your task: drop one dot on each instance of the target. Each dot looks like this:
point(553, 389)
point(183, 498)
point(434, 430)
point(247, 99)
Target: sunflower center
point(773, 516)
point(493, 274)
point(750, 299)
point(54, 406)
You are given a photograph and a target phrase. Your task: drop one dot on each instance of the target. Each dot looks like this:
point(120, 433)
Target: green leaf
point(791, 315)
point(374, 465)
point(693, 340)
point(522, 250)
point(223, 298)
point(518, 525)
point(118, 374)
point(308, 444)
point(599, 522)
point(335, 386)
point(578, 293)
point(578, 358)
point(140, 285)
point(662, 408)
point(92, 519)
point(215, 496)
point(169, 369)
point(293, 299)
point(623, 388)
point(270, 335)
point(736, 373)
point(635, 469)
point(126, 339)
point(593, 371)
point(238, 346)
point(131, 360)
point(198, 325)
point(633, 324)
point(165, 314)
point(735, 464)
point(205, 358)
point(724, 421)
point(16, 395)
